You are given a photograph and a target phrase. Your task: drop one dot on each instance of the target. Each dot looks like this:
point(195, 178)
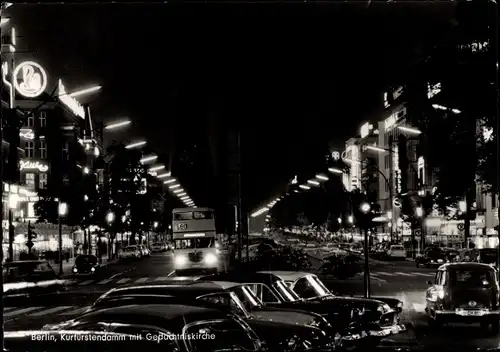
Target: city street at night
point(282, 177)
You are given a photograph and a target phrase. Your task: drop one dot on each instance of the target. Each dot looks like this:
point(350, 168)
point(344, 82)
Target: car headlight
point(180, 259)
point(75, 270)
point(92, 269)
point(210, 258)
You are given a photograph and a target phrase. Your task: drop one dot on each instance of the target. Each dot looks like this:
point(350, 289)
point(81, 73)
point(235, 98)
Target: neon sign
point(27, 134)
point(365, 130)
point(70, 102)
point(33, 165)
point(32, 81)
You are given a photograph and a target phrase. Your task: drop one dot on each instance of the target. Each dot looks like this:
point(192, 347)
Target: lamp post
point(110, 219)
point(13, 200)
point(365, 209)
point(62, 210)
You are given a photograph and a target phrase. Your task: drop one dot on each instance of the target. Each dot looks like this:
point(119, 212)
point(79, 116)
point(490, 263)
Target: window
point(43, 119)
point(43, 149)
point(30, 181)
point(304, 289)
point(265, 294)
point(31, 120)
point(29, 149)
point(42, 180)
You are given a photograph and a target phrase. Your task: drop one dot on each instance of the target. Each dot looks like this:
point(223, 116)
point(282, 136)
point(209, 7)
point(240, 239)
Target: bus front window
point(193, 243)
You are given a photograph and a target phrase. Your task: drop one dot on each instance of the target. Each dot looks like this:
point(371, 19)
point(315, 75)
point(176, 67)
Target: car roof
point(188, 290)
point(466, 266)
point(175, 316)
point(287, 275)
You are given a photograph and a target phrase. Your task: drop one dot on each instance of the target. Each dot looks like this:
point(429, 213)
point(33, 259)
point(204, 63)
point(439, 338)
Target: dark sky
point(295, 74)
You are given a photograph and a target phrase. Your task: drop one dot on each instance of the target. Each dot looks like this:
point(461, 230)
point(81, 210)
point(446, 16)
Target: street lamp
point(365, 209)
point(117, 125)
point(110, 218)
point(335, 170)
point(62, 210)
point(136, 145)
point(85, 91)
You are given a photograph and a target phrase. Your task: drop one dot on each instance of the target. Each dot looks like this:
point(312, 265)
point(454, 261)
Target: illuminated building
point(58, 142)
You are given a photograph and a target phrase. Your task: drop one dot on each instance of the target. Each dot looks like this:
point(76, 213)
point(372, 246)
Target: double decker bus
point(194, 239)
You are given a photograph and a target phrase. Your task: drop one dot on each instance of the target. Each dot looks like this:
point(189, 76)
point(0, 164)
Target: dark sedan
point(280, 329)
point(179, 328)
point(85, 265)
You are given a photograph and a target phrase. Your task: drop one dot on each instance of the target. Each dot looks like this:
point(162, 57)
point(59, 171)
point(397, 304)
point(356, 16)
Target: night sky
point(295, 74)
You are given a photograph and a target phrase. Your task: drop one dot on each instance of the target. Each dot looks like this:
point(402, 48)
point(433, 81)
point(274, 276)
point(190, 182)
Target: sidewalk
point(68, 265)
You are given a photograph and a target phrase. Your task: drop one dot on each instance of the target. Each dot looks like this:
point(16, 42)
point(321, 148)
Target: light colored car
point(130, 252)
point(396, 251)
point(158, 247)
point(144, 250)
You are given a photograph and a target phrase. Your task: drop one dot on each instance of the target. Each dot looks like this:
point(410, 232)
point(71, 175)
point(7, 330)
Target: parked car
point(31, 279)
point(464, 292)
point(130, 253)
point(144, 250)
point(275, 327)
point(85, 265)
point(299, 290)
point(227, 332)
point(396, 251)
point(158, 247)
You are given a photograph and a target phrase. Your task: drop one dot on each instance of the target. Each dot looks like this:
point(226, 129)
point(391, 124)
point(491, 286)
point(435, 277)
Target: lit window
point(43, 119)
point(30, 181)
point(31, 120)
point(29, 149)
point(42, 180)
point(43, 149)
point(31, 210)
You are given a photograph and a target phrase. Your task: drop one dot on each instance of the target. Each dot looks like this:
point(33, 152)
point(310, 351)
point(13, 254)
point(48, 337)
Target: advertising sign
point(30, 79)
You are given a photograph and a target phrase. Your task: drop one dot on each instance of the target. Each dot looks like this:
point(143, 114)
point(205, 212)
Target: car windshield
point(131, 249)
point(286, 293)
point(310, 287)
point(28, 271)
point(472, 278)
point(247, 297)
point(85, 259)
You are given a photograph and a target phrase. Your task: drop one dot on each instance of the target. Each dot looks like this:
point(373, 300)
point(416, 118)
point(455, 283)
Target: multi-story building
point(57, 141)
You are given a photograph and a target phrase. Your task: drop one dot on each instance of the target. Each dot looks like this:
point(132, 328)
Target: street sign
point(461, 227)
point(29, 244)
point(418, 233)
point(396, 202)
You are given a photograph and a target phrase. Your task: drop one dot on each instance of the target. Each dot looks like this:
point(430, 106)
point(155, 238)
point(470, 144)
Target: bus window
point(183, 216)
point(194, 243)
point(198, 215)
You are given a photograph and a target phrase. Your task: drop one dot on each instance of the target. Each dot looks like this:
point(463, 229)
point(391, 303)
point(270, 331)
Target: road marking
point(423, 274)
point(171, 273)
point(385, 273)
point(141, 280)
point(49, 311)
point(163, 278)
point(402, 274)
point(19, 312)
point(76, 311)
point(378, 279)
point(85, 282)
point(124, 280)
point(103, 282)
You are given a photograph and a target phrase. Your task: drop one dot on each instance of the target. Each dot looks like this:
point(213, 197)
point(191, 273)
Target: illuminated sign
point(433, 90)
point(26, 134)
point(70, 102)
point(397, 93)
point(295, 181)
point(421, 168)
point(33, 165)
point(397, 171)
point(386, 100)
point(30, 79)
point(335, 156)
point(395, 117)
point(365, 129)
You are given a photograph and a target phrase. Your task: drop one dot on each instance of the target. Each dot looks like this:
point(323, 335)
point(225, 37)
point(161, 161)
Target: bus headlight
point(180, 259)
point(210, 258)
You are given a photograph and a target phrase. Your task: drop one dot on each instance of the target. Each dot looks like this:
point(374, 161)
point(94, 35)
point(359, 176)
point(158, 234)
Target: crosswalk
point(135, 280)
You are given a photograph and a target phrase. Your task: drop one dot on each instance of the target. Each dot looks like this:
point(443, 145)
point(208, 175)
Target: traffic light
point(31, 235)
